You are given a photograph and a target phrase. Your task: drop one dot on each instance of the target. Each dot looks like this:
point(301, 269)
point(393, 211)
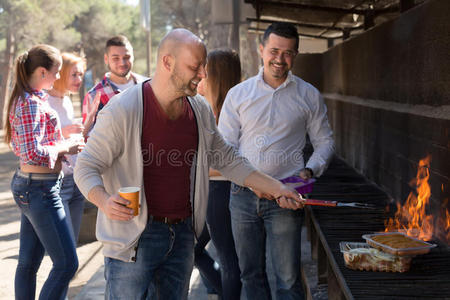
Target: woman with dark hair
point(72, 72)
point(223, 72)
point(34, 132)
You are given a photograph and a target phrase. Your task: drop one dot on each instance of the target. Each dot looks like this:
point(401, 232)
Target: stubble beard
point(276, 73)
point(123, 74)
point(182, 88)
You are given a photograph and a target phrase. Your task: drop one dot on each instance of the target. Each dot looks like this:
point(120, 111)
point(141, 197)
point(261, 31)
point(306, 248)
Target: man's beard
point(123, 74)
point(181, 87)
point(277, 73)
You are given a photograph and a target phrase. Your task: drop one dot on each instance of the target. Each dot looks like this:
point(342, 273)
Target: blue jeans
point(73, 202)
point(43, 227)
point(219, 223)
point(254, 220)
point(205, 264)
point(163, 266)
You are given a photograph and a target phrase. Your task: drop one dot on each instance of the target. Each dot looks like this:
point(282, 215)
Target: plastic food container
point(301, 186)
point(410, 246)
point(362, 257)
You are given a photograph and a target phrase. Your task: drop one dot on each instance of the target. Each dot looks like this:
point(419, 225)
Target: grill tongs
point(328, 203)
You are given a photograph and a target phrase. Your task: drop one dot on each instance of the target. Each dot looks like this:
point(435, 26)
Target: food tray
point(421, 247)
point(305, 186)
point(362, 257)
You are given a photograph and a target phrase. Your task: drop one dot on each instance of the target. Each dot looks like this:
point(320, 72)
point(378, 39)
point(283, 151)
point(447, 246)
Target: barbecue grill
point(429, 275)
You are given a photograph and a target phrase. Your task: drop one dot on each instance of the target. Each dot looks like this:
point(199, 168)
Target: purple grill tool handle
point(304, 188)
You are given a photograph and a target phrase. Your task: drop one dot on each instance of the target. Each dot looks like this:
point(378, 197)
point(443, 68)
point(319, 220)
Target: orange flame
point(444, 224)
point(413, 217)
point(447, 225)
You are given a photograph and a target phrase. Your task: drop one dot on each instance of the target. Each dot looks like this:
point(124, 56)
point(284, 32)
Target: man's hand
point(115, 208)
point(263, 195)
point(289, 198)
point(267, 187)
point(283, 201)
point(306, 173)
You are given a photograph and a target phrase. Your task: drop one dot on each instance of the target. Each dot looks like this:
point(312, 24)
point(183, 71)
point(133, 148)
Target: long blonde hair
point(39, 56)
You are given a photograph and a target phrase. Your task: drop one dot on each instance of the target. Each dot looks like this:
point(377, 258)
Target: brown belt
point(167, 220)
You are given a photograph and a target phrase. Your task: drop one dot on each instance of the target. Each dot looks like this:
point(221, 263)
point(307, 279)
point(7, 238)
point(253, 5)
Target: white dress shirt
point(269, 126)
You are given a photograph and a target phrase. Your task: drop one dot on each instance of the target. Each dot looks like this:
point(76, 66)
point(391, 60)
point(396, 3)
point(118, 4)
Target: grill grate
point(429, 275)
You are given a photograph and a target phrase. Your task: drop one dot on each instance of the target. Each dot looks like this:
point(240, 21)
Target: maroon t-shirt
point(168, 150)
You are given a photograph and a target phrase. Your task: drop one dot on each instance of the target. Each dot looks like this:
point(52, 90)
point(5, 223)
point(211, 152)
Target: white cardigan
point(112, 158)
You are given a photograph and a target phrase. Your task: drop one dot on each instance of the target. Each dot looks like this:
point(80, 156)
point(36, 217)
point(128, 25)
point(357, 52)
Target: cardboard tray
point(410, 251)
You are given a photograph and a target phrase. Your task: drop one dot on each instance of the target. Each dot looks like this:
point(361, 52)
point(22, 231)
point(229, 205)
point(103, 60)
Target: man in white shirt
point(267, 118)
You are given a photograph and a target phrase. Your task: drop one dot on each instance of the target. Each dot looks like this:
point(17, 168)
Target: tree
point(194, 15)
point(80, 26)
point(24, 23)
point(190, 14)
point(101, 20)
point(83, 26)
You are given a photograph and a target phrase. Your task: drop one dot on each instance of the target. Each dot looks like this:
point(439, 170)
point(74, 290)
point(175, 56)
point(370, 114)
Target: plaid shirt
point(107, 90)
point(35, 130)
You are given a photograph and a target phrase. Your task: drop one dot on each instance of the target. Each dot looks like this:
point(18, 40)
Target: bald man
point(159, 137)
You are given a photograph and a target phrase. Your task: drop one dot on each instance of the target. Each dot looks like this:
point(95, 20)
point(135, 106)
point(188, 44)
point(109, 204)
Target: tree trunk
point(7, 71)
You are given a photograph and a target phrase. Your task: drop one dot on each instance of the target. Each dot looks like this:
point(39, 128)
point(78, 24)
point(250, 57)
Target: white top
point(123, 87)
point(269, 126)
point(64, 109)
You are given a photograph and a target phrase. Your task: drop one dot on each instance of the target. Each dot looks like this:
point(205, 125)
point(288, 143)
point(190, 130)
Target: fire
point(447, 225)
point(444, 224)
point(414, 217)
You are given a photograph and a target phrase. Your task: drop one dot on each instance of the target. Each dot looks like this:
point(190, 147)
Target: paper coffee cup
point(131, 193)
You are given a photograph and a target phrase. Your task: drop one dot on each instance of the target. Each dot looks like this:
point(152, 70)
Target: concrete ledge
point(438, 112)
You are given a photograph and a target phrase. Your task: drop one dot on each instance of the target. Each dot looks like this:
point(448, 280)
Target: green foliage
point(190, 14)
point(84, 25)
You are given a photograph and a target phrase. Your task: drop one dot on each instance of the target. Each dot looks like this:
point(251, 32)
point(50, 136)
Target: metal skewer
point(327, 203)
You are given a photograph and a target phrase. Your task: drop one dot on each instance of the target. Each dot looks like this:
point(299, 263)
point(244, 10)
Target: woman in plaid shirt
point(35, 136)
